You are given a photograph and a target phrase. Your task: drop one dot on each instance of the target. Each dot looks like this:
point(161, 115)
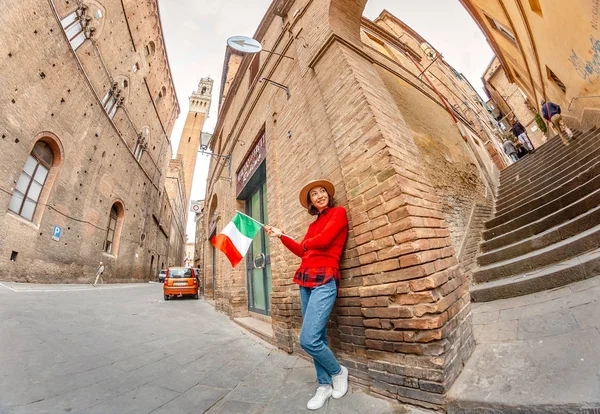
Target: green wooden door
point(258, 259)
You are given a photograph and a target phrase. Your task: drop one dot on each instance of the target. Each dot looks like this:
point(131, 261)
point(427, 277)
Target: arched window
point(27, 192)
point(113, 232)
point(150, 48)
point(161, 93)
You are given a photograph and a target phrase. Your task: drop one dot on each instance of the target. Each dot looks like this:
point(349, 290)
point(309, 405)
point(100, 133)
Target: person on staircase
point(520, 133)
point(551, 112)
point(521, 150)
point(510, 150)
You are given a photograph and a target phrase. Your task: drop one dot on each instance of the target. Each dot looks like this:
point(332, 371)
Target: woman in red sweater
point(318, 277)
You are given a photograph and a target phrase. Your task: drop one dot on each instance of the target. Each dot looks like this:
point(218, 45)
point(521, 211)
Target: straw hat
point(312, 184)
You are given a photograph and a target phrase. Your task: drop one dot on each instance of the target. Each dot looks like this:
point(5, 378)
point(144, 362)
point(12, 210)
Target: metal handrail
point(581, 97)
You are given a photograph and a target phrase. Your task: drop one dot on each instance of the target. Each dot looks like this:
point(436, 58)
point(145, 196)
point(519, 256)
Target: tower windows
point(73, 28)
point(141, 143)
point(109, 102)
point(150, 48)
point(161, 93)
point(25, 197)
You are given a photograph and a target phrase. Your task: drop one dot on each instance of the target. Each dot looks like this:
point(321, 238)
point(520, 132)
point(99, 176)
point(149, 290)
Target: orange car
point(180, 281)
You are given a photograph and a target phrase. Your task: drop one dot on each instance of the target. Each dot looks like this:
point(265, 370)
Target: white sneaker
point(340, 383)
point(321, 396)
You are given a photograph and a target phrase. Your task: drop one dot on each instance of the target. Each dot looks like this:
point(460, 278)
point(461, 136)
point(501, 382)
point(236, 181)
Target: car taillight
point(195, 281)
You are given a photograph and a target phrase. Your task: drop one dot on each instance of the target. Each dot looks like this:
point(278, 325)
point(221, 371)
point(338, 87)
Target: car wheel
point(166, 297)
point(196, 296)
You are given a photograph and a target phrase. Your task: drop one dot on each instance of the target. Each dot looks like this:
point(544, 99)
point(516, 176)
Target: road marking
point(74, 289)
point(3, 285)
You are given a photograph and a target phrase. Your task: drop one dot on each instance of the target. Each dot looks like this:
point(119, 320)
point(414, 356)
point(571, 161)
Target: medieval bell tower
point(187, 151)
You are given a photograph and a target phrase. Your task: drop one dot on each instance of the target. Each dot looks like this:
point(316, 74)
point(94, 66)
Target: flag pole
point(258, 222)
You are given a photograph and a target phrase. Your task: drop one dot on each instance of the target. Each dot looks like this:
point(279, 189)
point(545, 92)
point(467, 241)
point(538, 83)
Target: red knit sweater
point(324, 241)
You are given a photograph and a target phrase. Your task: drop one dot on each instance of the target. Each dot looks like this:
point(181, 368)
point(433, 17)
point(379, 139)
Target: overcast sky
point(196, 31)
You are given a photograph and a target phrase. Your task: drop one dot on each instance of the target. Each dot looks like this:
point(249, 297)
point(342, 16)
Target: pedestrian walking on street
point(551, 112)
point(520, 133)
point(510, 150)
point(318, 277)
point(99, 273)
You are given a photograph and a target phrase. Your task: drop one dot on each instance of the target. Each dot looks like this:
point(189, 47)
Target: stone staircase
point(545, 232)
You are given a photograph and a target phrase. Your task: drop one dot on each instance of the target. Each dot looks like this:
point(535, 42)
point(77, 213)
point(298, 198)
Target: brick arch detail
point(58, 152)
point(120, 220)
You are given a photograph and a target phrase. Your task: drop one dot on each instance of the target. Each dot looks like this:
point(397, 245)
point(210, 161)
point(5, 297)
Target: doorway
point(152, 271)
point(258, 259)
point(214, 266)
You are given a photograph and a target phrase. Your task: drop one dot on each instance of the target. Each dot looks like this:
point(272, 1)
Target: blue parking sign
point(56, 233)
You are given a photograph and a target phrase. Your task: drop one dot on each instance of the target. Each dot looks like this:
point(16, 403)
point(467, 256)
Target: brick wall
point(402, 319)
point(51, 97)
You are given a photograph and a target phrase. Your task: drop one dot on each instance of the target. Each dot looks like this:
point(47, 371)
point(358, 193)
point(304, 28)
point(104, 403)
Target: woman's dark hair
point(312, 210)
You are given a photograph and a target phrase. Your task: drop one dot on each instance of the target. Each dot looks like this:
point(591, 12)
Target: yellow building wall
point(556, 37)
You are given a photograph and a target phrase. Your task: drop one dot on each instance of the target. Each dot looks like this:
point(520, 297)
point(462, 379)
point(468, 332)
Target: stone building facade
point(180, 175)
point(87, 106)
point(511, 102)
point(198, 235)
point(408, 167)
point(548, 50)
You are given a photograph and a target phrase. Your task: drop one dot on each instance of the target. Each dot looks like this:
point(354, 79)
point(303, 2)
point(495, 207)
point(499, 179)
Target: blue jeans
point(317, 303)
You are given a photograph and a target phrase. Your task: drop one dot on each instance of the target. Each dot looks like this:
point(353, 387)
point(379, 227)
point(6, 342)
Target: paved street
point(122, 349)
point(538, 353)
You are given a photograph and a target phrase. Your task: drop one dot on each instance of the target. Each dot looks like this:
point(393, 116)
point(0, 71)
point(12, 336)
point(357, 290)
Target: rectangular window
point(73, 29)
point(502, 29)
point(552, 76)
point(138, 151)
point(535, 6)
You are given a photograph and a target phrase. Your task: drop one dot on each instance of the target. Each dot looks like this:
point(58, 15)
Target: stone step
point(551, 148)
point(563, 250)
point(570, 192)
point(544, 239)
point(584, 266)
point(556, 162)
point(554, 217)
point(568, 166)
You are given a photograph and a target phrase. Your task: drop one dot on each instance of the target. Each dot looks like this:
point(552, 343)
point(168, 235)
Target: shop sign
point(251, 164)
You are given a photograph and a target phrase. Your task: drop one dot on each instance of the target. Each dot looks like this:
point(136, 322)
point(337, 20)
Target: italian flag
point(236, 237)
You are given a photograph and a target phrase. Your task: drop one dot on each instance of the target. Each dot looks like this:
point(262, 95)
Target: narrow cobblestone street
point(122, 349)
